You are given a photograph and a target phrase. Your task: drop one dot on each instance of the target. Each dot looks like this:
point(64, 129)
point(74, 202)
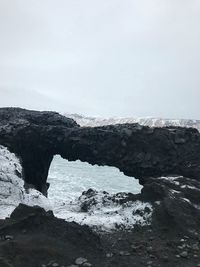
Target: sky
point(132, 58)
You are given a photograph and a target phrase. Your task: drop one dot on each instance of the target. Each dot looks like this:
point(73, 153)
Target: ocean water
point(74, 177)
point(69, 179)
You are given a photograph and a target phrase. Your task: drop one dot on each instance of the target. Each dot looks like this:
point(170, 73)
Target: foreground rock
point(40, 240)
point(39, 237)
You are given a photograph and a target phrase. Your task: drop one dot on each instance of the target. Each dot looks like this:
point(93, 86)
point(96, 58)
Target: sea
point(69, 179)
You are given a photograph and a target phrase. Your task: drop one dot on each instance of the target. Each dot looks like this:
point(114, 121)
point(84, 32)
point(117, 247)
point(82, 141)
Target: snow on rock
point(104, 212)
point(171, 179)
point(146, 121)
point(12, 190)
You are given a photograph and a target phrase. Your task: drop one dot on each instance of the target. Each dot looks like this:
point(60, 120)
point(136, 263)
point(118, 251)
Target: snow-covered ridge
point(12, 191)
point(146, 121)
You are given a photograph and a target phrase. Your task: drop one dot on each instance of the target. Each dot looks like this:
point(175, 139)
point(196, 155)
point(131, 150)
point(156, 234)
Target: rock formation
point(165, 231)
point(12, 190)
point(138, 151)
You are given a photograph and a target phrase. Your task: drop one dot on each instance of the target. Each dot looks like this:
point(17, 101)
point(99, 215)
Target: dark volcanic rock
point(39, 237)
point(35, 137)
point(176, 203)
point(32, 237)
point(136, 150)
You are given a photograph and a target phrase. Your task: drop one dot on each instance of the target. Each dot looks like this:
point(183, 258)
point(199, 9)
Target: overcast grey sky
point(101, 57)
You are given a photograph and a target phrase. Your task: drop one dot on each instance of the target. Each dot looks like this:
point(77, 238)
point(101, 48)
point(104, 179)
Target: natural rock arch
point(136, 150)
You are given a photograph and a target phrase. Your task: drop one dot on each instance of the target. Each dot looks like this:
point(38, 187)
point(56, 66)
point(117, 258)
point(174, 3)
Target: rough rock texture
point(35, 238)
point(12, 191)
point(176, 203)
point(165, 160)
point(136, 150)
point(35, 137)
point(32, 237)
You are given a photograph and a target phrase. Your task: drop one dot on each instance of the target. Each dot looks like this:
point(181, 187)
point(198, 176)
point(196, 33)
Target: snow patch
point(105, 214)
point(171, 179)
point(174, 191)
point(12, 191)
point(189, 187)
point(146, 121)
point(186, 200)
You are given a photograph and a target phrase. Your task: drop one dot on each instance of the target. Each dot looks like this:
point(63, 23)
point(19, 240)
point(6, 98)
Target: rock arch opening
point(73, 184)
point(74, 177)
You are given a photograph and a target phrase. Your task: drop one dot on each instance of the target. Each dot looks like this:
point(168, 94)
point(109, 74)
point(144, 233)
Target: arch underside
point(138, 151)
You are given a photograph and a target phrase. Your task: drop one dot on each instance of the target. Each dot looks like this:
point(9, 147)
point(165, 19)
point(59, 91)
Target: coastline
point(166, 162)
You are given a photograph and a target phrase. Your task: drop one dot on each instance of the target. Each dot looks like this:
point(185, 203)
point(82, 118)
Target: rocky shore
point(32, 237)
point(165, 215)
